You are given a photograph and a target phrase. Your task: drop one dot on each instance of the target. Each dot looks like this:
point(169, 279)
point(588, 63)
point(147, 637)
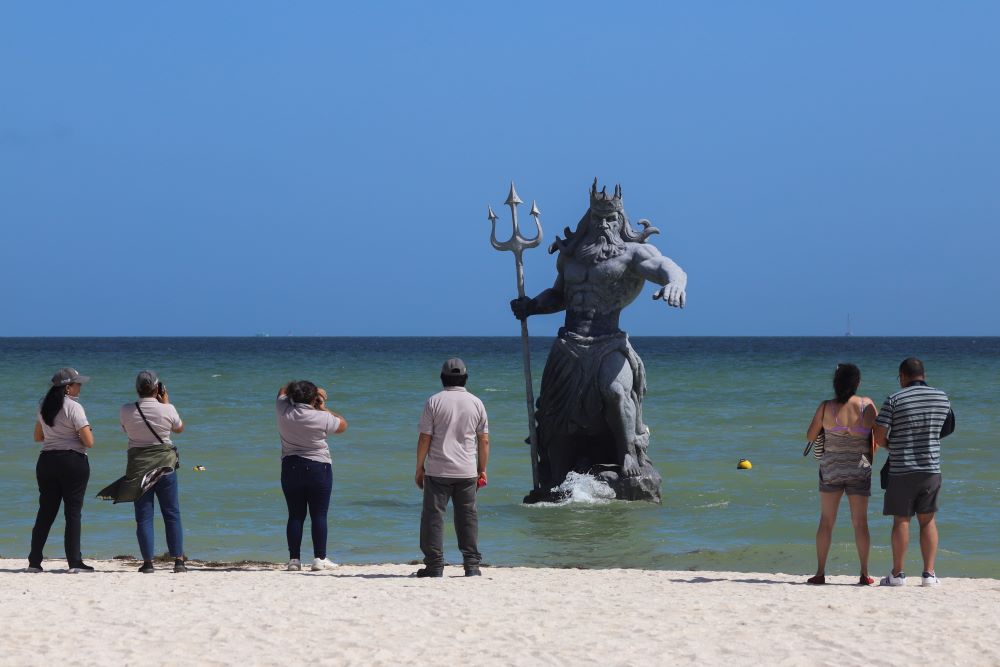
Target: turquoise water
point(711, 401)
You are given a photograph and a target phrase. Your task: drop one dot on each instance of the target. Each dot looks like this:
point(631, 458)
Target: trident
point(517, 244)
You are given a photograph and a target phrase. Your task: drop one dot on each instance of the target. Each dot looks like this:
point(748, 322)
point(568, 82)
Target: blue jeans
point(306, 485)
point(170, 507)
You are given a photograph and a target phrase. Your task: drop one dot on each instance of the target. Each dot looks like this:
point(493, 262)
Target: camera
point(160, 389)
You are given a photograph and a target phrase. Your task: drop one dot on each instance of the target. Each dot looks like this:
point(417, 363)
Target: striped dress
point(844, 463)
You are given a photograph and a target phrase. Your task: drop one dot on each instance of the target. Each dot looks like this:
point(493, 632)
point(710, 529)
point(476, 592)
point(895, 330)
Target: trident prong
point(517, 244)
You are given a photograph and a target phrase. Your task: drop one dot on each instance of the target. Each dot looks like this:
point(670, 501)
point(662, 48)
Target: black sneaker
point(147, 567)
point(179, 565)
point(430, 572)
point(473, 571)
point(78, 568)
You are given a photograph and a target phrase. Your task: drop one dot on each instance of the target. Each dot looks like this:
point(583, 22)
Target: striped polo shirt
point(913, 417)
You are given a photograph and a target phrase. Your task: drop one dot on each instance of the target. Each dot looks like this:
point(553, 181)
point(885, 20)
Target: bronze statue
point(589, 412)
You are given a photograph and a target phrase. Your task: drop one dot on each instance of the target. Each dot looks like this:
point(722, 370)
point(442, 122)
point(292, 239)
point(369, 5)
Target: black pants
point(462, 492)
point(62, 478)
point(307, 485)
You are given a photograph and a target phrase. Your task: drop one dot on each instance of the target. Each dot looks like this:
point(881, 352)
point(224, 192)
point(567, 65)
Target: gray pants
point(462, 492)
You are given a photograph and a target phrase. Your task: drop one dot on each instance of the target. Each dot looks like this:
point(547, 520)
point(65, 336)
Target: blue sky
point(229, 168)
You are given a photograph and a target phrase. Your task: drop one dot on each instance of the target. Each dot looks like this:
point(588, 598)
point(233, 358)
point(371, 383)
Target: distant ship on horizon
point(849, 332)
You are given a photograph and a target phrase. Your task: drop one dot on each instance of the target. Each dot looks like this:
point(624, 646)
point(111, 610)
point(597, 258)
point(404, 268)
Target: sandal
point(818, 580)
point(865, 580)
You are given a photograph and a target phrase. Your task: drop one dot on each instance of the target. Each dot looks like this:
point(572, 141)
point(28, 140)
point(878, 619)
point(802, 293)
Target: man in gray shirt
point(452, 452)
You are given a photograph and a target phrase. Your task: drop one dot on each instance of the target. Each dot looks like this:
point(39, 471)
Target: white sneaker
point(323, 564)
point(891, 580)
point(294, 565)
point(929, 579)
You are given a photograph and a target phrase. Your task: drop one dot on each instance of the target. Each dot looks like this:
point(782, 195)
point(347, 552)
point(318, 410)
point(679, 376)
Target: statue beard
point(608, 244)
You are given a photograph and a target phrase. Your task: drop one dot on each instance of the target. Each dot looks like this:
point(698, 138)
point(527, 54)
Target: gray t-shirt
point(304, 429)
point(914, 416)
point(452, 418)
point(64, 433)
point(162, 417)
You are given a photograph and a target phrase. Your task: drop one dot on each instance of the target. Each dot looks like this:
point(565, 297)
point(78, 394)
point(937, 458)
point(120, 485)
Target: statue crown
point(601, 203)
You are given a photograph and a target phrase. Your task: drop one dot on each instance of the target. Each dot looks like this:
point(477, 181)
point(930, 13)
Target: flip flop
point(818, 580)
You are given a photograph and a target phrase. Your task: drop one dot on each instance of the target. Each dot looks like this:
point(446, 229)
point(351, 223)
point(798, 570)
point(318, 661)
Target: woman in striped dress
point(845, 466)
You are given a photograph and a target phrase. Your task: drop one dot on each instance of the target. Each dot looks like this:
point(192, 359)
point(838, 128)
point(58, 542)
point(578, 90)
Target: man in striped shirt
point(911, 424)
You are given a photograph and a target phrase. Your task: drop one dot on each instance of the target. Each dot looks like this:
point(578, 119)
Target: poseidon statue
point(589, 412)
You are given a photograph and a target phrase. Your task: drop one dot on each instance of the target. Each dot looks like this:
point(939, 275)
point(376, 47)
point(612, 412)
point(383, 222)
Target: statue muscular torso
point(594, 292)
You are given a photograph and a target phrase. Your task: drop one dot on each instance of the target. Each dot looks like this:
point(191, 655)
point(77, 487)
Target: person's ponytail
point(52, 404)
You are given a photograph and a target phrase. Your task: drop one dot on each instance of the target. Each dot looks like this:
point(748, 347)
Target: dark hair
point(912, 368)
point(52, 404)
point(302, 391)
point(846, 379)
point(449, 380)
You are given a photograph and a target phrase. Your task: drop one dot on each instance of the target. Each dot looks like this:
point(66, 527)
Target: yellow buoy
point(744, 464)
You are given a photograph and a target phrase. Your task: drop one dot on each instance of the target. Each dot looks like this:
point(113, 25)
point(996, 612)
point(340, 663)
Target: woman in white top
point(304, 422)
point(63, 469)
point(149, 423)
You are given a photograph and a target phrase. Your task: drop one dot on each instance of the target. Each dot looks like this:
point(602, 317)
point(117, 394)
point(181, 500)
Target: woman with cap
point(152, 465)
point(304, 422)
point(63, 469)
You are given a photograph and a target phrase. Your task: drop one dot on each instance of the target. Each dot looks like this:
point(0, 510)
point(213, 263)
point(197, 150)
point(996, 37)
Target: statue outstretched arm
point(550, 300)
point(656, 268)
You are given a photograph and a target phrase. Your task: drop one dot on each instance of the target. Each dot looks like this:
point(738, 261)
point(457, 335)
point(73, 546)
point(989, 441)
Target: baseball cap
point(146, 382)
point(67, 376)
point(454, 366)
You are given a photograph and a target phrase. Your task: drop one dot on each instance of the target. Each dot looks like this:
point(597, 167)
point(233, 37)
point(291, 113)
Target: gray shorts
point(858, 484)
point(916, 493)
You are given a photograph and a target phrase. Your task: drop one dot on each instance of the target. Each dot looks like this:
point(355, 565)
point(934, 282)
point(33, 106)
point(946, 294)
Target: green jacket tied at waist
point(146, 465)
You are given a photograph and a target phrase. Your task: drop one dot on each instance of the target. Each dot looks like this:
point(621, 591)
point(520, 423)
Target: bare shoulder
point(641, 252)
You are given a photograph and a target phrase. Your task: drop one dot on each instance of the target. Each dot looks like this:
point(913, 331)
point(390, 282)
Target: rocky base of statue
point(645, 486)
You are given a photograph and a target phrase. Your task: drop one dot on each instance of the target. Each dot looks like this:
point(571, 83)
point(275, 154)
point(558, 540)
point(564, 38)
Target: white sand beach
point(380, 615)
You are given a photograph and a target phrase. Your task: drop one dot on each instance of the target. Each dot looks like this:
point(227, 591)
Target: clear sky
point(321, 168)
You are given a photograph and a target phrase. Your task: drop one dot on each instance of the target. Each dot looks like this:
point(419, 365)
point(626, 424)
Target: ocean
point(710, 402)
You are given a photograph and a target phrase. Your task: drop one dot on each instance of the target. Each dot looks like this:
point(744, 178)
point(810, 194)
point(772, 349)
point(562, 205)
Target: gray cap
point(68, 376)
point(454, 366)
point(146, 381)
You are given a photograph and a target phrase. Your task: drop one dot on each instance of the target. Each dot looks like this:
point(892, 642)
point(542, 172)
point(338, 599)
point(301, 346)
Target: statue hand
point(673, 294)
point(521, 307)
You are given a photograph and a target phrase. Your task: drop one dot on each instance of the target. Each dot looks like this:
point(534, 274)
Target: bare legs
point(862, 538)
point(928, 540)
point(901, 541)
point(829, 503)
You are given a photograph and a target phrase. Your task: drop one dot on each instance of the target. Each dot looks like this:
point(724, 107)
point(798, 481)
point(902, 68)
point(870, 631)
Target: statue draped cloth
point(573, 432)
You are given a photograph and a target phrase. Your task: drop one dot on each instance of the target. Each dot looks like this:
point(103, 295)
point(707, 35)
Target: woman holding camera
point(152, 458)
point(304, 423)
point(63, 469)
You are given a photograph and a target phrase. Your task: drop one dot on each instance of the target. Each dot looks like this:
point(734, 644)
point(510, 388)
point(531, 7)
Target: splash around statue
point(589, 412)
